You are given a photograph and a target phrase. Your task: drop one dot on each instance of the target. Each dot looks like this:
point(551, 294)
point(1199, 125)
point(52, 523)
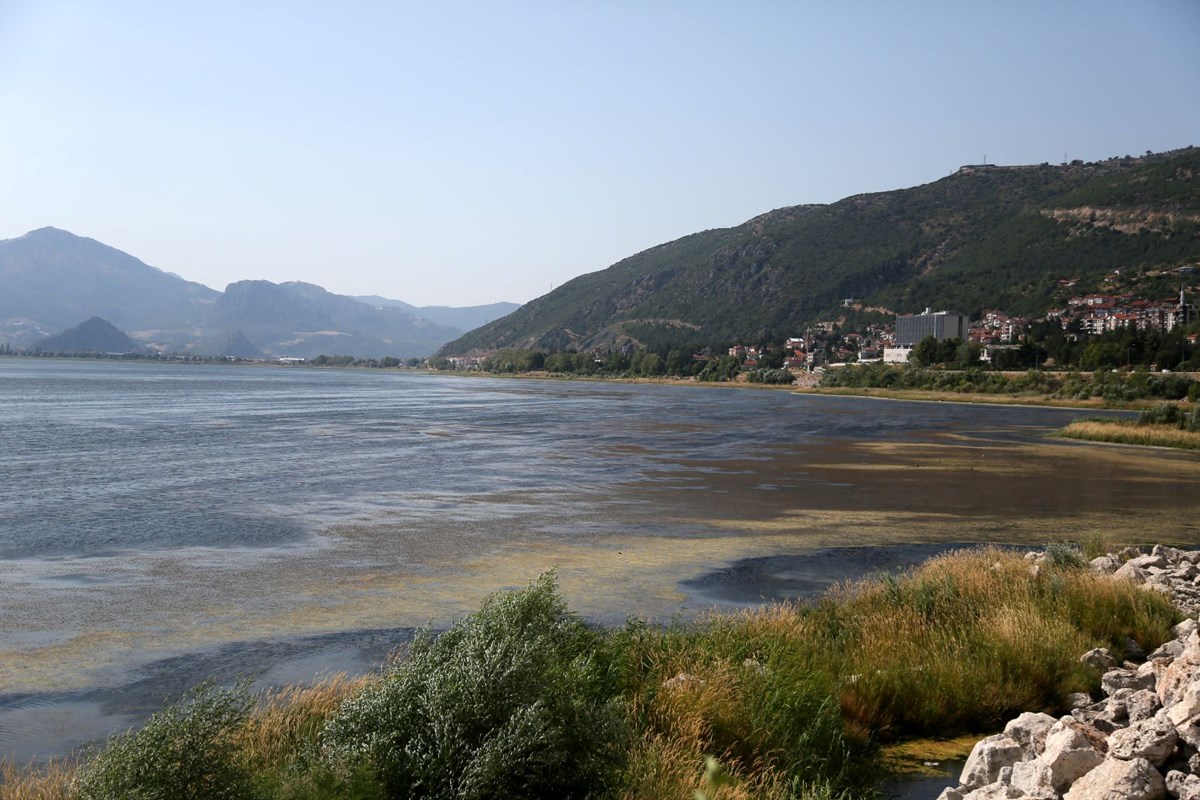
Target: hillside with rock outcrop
point(1014, 238)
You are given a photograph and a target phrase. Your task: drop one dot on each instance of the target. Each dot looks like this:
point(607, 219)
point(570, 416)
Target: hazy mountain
point(300, 319)
point(983, 237)
point(51, 279)
point(465, 318)
point(96, 335)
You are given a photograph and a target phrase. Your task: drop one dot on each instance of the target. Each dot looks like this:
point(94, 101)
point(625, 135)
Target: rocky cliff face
point(1140, 740)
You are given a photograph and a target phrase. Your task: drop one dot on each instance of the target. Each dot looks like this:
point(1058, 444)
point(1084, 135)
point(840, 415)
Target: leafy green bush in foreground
point(512, 701)
point(188, 751)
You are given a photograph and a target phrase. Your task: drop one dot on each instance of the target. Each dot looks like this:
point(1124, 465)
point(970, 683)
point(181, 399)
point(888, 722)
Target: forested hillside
point(984, 237)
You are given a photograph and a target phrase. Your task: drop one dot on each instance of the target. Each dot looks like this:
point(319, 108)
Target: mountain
point(51, 279)
point(301, 319)
point(984, 237)
point(96, 335)
point(465, 318)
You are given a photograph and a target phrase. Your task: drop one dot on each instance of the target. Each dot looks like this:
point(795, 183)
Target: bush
point(513, 701)
point(1160, 414)
point(186, 751)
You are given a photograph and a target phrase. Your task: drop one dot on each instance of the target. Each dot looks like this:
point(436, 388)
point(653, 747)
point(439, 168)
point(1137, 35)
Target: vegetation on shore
point(523, 699)
point(1111, 387)
point(1163, 425)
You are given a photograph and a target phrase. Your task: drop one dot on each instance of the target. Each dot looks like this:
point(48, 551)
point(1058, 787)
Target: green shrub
point(515, 700)
point(1064, 556)
point(1160, 414)
point(186, 751)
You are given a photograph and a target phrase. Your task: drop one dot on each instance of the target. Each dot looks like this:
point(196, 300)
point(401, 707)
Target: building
point(912, 328)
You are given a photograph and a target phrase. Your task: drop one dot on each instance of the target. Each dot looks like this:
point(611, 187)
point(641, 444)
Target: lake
point(162, 523)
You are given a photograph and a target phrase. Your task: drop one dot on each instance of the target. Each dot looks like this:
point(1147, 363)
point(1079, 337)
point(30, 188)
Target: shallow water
point(162, 523)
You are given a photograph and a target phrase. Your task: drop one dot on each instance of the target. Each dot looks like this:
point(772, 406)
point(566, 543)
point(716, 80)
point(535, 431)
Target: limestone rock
point(1029, 731)
point(1125, 679)
point(1131, 572)
point(986, 759)
point(1116, 779)
point(1099, 658)
point(1152, 739)
point(950, 793)
point(1142, 704)
point(1107, 564)
point(1186, 628)
point(993, 791)
point(1182, 785)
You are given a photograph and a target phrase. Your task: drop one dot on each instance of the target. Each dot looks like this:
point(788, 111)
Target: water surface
point(160, 523)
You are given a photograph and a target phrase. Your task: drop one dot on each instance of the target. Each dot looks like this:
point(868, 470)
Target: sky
point(460, 153)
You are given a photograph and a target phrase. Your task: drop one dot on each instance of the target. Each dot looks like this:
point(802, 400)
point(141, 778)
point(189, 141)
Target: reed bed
point(51, 781)
point(1128, 432)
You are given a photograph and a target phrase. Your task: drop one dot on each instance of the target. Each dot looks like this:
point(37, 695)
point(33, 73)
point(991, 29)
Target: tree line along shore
point(523, 699)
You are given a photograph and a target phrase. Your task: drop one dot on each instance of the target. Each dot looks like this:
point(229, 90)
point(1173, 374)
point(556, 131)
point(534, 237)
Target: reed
point(1127, 432)
point(50, 781)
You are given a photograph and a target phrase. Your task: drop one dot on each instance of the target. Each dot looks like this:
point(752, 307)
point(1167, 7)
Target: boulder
point(1099, 658)
point(1029, 731)
point(1152, 739)
point(1145, 562)
point(1117, 779)
point(1116, 679)
point(950, 793)
point(1131, 572)
point(1142, 704)
point(1186, 628)
point(1182, 785)
point(993, 791)
point(987, 758)
point(1106, 564)
point(1186, 705)
point(1068, 755)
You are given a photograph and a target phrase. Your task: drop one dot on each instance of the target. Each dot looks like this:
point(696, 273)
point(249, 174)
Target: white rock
point(1145, 562)
point(1187, 704)
point(1116, 779)
point(1186, 628)
point(1130, 572)
point(1099, 658)
point(1152, 739)
point(986, 759)
point(993, 791)
point(1029, 731)
point(1142, 705)
point(1183, 785)
point(1175, 678)
point(1106, 564)
point(950, 793)
point(1116, 679)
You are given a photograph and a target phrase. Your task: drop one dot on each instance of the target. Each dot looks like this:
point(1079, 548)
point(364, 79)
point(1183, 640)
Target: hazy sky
point(468, 152)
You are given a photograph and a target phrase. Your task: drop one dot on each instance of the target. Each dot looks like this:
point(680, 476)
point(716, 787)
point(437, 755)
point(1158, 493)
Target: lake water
point(163, 523)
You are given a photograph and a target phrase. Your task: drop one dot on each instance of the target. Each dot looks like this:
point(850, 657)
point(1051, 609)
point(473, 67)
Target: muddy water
point(160, 524)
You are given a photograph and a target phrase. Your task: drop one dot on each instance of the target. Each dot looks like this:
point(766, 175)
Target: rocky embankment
point(1140, 741)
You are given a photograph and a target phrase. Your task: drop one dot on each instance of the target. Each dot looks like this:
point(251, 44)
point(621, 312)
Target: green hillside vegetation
point(521, 699)
point(994, 238)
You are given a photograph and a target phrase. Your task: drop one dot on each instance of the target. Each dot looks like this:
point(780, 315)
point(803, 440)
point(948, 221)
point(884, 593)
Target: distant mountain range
point(51, 280)
point(1019, 239)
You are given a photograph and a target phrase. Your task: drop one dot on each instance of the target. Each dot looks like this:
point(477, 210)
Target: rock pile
point(1140, 742)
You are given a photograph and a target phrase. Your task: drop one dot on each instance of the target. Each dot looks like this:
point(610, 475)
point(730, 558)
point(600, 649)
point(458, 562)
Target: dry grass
point(51, 781)
point(286, 717)
point(1128, 432)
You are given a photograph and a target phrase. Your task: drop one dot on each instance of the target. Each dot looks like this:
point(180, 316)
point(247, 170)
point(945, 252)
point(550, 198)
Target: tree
point(926, 353)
